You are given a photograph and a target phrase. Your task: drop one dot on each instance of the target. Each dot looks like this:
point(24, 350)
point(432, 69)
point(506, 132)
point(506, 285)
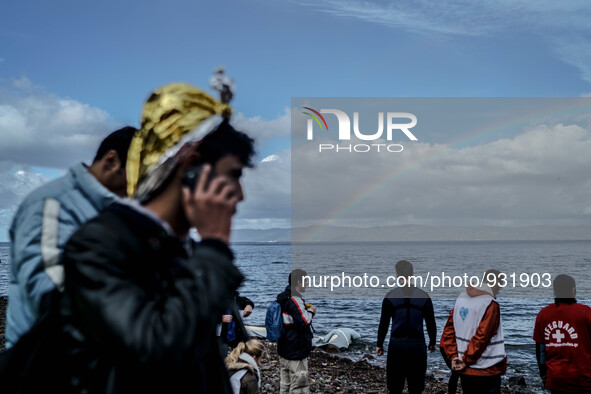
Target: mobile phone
point(191, 176)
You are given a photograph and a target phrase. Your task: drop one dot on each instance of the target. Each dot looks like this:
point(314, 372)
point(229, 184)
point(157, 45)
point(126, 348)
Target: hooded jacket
point(296, 341)
point(142, 308)
point(42, 225)
point(487, 328)
point(244, 375)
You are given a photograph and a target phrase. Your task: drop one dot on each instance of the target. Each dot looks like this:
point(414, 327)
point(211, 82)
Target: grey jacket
point(42, 225)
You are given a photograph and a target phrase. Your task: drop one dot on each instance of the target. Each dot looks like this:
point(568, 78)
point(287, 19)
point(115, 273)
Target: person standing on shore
point(563, 340)
point(295, 345)
point(231, 329)
point(143, 297)
point(47, 218)
point(452, 383)
point(473, 337)
point(407, 307)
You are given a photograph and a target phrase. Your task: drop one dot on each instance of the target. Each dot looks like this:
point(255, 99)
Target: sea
point(266, 267)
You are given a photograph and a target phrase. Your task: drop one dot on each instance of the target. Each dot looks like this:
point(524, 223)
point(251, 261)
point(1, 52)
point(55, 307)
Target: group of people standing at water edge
point(473, 343)
point(110, 294)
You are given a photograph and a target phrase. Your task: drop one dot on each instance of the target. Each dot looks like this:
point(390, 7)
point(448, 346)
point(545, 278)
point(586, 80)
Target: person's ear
point(111, 161)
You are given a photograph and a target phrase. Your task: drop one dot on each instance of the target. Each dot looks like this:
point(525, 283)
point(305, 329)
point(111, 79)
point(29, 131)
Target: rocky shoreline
point(329, 373)
point(3, 304)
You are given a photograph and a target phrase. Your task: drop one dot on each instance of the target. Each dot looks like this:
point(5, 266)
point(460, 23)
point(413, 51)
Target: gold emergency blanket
point(173, 116)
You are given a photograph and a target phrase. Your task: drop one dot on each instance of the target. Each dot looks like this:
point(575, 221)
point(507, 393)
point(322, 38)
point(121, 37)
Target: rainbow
point(542, 113)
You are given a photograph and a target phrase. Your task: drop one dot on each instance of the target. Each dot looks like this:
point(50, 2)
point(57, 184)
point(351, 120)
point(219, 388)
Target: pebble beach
point(3, 304)
point(330, 373)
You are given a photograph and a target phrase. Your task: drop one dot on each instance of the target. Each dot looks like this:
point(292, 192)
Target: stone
point(516, 380)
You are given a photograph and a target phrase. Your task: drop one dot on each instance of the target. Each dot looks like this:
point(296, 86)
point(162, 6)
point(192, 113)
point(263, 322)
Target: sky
point(71, 72)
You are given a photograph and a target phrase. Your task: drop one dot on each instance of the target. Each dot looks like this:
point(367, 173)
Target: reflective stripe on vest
point(468, 313)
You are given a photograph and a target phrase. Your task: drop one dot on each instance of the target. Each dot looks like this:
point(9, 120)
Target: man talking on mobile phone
point(142, 299)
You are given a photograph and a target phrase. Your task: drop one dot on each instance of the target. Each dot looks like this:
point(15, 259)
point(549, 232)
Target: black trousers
point(481, 384)
point(407, 360)
point(452, 385)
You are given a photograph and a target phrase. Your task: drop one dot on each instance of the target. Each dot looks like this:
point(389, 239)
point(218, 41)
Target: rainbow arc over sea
point(546, 112)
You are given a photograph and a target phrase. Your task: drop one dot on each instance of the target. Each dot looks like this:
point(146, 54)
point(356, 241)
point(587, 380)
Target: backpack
point(274, 321)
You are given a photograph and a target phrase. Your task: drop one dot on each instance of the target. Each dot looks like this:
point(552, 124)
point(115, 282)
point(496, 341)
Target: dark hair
point(226, 140)
point(119, 141)
point(404, 268)
point(563, 286)
point(296, 276)
point(496, 274)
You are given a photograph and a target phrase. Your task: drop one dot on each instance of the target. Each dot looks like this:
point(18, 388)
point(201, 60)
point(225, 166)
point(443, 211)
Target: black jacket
point(407, 307)
point(241, 334)
point(296, 341)
point(142, 312)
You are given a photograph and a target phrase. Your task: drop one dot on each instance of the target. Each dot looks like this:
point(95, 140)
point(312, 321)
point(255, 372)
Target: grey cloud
point(16, 181)
point(540, 176)
point(262, 129)
point(40, 129)
point(267, 189)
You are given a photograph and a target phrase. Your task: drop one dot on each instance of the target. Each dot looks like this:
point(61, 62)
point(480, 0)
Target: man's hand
point(226, 318)
point(209, 208)
point(431, 348)
point(247, 311)
point(457, 364)
point(312, 308)
point(379, 351)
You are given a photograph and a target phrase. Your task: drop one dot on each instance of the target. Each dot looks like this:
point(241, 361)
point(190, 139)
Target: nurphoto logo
point(393, 126)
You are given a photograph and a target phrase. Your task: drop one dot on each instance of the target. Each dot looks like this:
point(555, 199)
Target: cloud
point(267, 189)
point(576, 51)
point(16, 181)
point(264, 129)
point(41, 129)
point(538, 177)
point(563, 25)
point(463, 17)
point(270, 158)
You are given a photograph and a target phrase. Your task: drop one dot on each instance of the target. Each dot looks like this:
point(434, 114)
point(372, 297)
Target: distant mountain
point(268, 235)
point(414, 233)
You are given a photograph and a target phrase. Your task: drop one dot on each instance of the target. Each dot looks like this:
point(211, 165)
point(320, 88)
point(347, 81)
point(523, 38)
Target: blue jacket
point(42, 225)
